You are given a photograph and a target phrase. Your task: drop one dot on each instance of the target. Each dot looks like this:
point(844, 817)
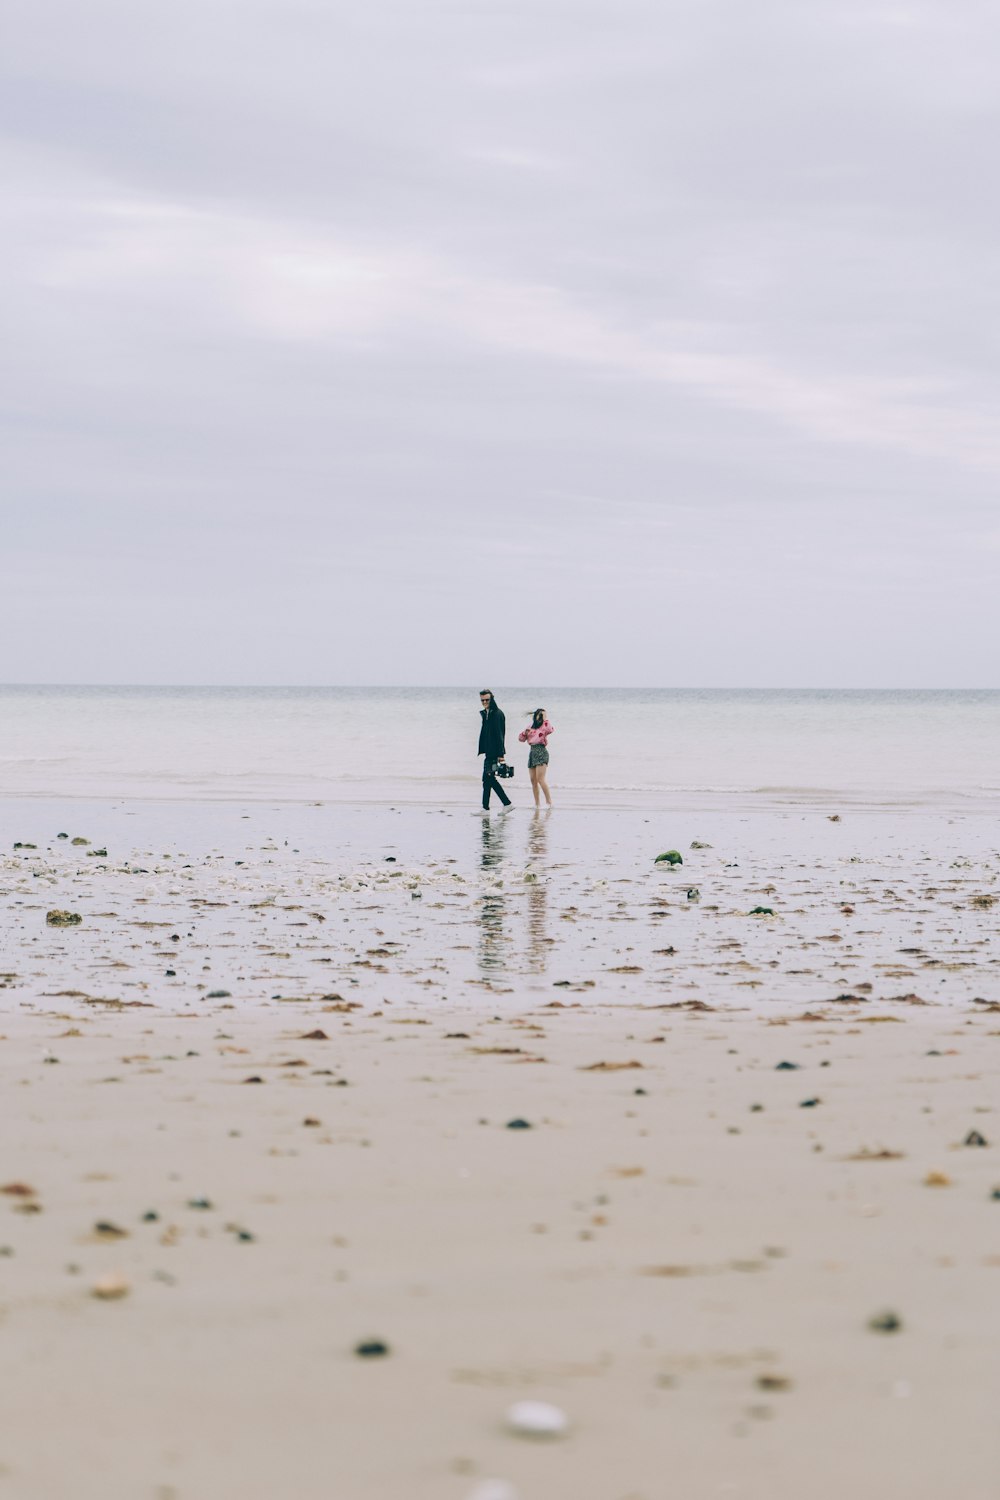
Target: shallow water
point(616, 748)
point(293, 901)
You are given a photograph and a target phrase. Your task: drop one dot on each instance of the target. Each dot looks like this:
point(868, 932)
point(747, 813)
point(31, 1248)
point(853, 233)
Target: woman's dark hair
point(538, 718)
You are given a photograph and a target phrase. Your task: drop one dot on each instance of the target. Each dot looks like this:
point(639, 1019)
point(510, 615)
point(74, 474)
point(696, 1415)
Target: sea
point(613, 748)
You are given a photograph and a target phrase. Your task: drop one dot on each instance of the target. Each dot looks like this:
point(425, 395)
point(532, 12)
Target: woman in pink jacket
point(537, 736)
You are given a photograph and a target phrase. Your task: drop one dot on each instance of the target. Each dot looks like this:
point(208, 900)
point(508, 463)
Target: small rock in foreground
point(371, 1349)
point(63, 918)
point(537, 1419)
point(111, 1286)
point(885, 1322)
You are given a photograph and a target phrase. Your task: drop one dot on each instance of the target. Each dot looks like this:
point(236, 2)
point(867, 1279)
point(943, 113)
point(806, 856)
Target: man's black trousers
point(490, 784)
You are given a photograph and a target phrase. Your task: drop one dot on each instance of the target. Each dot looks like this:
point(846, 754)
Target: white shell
point(493, 1489)
point(537, 1419)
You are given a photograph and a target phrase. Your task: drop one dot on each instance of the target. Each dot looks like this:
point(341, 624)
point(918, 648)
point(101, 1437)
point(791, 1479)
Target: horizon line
point(513, 686)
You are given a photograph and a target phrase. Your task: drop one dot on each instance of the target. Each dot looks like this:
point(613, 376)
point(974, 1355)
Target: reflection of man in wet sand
point(538, 942)
point(492, 902)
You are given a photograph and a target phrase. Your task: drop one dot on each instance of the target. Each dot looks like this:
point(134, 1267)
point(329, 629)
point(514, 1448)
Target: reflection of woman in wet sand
point(537, 736)
point(538, 938)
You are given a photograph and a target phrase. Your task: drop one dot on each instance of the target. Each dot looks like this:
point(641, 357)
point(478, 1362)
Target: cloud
point(616, 291)
point(236, 274)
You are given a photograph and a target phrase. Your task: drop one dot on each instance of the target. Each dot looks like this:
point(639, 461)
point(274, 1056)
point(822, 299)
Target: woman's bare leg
point(540, 773)
point(533, 775)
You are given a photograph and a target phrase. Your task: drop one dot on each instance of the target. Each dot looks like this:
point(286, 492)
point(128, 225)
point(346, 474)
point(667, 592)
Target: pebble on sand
point(537, 1419)
point(110, 1286)
point(63, 918)
point(885, 1322)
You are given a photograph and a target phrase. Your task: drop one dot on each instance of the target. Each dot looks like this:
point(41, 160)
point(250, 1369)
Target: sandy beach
point(267, 1107)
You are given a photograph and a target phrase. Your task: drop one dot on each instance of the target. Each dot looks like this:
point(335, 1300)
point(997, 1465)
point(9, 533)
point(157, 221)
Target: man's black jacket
point(491, 736)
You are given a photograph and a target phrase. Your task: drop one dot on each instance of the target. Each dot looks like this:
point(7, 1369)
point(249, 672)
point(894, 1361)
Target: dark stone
point(809, 1103)
point(218, 995)
point(786, 1067)
point(109, 1231)
point(886, 1322)
point(150, 1216)
point(672, 857)
point(975, 1139)
point(371, 1349)
point(519, 1124)
point(200, 1203)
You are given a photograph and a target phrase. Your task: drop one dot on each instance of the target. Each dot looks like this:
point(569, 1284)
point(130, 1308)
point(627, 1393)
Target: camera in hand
point(503, 770)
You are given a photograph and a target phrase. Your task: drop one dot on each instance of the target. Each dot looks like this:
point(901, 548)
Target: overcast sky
point(436, 341)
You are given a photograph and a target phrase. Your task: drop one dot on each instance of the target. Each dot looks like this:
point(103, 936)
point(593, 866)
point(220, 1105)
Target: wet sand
point(682, 1250)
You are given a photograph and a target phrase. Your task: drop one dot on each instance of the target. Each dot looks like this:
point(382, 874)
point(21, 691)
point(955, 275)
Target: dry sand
point(682, 1251)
